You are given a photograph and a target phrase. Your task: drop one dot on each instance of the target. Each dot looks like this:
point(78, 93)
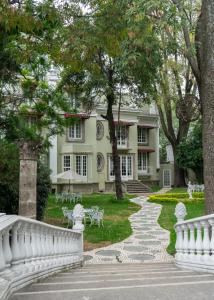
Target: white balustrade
point(33, 249)
point(194, 241)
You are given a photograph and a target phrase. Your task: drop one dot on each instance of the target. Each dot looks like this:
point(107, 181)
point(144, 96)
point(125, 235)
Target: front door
point(166, 178)
point(126, 167)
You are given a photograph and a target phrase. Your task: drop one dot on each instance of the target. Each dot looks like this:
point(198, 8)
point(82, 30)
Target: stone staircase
point(137, 187)
point(156, 281)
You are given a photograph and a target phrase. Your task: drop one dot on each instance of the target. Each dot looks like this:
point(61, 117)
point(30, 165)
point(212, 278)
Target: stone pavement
point(159, 281)
point(147, 243)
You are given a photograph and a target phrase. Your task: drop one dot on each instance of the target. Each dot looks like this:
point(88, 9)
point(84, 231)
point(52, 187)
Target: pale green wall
point(91, 146)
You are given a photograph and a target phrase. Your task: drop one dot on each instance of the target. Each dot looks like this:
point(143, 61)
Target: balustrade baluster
point(211, 222)
point(198, 243)
point(15, 244)
point(191, 245)
point(21, 239)
point(2, 258)
point(206, 242)
point(185, 242)
point(6, 246)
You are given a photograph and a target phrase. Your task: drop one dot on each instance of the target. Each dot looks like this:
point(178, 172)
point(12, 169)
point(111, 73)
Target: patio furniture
point(70, 216)
point(97, 217)
point(64, 211)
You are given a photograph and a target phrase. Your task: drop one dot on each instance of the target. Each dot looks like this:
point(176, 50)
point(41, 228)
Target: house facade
point(85, 148)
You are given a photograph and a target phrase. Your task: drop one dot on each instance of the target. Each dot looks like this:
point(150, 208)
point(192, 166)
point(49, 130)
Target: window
point(126, 167)
point(121, 133)
point(75, 131)
point(142, 161)
point(66, 163)
point(142, 135)
point(81, 165)
point(100, 130)
point(100, 162)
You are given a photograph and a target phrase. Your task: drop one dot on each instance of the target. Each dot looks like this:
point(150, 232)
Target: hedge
point(176, 197)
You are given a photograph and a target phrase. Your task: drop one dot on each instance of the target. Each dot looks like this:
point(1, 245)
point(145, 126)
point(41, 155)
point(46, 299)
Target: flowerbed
point(177, 197)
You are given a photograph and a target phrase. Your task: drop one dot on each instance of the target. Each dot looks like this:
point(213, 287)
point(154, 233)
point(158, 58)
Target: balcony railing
point(146, 171)
point(195, 241)
point(31, 249)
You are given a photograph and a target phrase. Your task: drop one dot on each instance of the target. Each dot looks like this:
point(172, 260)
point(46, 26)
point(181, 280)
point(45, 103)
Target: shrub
point(176, 197)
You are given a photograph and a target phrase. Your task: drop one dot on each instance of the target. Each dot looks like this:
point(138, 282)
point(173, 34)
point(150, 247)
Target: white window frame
point(170, 178)
point(66, 165)
point(126, 167)
point(143, 162)
point(121, 134)
point(75, 131)
point(142, 135)
point(81, 165)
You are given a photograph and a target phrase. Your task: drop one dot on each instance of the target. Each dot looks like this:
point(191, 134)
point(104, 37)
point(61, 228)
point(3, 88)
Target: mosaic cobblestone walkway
point(147, 243)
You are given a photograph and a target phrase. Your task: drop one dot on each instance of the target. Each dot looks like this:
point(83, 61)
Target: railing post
point(79, 215)
point(179, 242)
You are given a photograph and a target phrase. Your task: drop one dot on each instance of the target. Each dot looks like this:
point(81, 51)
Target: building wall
point(90, 146)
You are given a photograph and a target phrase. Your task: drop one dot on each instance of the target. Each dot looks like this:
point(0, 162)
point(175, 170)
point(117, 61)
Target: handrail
point(194, 241)
point(31, 249)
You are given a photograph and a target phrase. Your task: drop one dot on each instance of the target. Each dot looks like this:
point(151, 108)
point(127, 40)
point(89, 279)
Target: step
point(122, 282)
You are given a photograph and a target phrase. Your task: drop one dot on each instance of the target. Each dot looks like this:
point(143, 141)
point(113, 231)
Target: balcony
point(146, 171)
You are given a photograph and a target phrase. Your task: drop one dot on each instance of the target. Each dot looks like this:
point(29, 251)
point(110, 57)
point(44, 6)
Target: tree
point(175, 92)
point(206, 67)
point(29, 106)
point(101, 52)
point(190, 153)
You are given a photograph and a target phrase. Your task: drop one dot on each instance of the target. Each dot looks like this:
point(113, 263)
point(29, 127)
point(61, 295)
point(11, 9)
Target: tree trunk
point(27, 181)
point(179, 173)
point(207, 98)
point(115, 155)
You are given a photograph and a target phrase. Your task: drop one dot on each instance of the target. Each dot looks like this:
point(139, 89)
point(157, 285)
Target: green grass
point(155, 188)
point(178, 190)
point(116, 224)
point(167, 218)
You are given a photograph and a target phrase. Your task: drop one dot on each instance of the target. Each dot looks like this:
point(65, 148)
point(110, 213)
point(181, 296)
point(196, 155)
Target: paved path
point(128, 282)
point(147, 243)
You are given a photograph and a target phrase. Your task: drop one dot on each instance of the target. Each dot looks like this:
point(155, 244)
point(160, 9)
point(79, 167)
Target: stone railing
point(30, 250)
point(195, 241)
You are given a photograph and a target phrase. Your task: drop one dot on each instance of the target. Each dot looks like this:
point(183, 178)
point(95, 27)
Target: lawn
point(178, 190)
point(116, 224)
point(167, 218)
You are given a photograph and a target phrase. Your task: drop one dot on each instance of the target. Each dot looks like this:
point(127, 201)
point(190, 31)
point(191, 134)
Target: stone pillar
point(28, 180)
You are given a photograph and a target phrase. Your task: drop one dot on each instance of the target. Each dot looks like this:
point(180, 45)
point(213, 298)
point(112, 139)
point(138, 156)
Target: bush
point(176, 197)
